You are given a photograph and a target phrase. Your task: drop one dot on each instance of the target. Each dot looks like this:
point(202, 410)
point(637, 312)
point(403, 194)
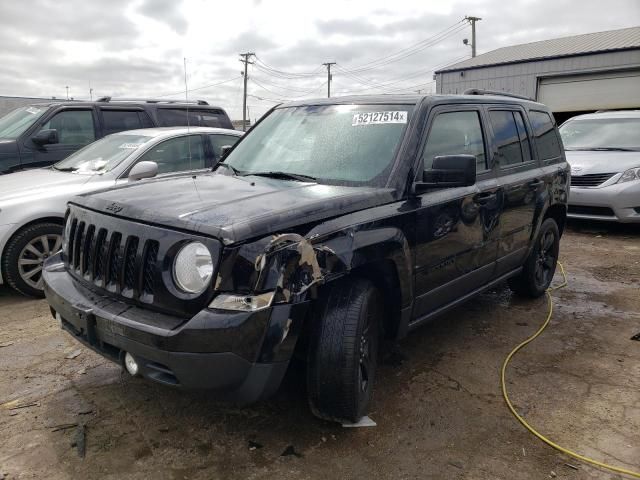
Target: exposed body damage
point(287, 252)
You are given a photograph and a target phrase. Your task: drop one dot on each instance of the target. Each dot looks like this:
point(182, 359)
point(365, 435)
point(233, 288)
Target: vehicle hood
point(39, 184)
point(233, 208)
point(584, 162)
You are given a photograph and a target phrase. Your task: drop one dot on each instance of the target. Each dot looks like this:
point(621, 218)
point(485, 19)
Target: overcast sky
point(136, 47)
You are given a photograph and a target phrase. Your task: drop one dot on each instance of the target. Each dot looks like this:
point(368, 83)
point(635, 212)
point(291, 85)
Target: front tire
point(540, 266)
point(343, 353)
point(25, 254)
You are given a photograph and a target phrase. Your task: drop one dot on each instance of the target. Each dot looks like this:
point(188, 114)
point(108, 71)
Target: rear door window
point(75, 127)
point(179, 117)
point(120, 120)
point(510, 137)
point(545, 134)
point(455, 133)
point(178, 154)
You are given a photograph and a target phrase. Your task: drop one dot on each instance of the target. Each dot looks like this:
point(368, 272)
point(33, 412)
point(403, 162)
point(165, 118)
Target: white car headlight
point(243, 303)
point(193, 268)
point(629, 175)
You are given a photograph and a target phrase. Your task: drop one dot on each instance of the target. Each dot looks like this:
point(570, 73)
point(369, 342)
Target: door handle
point(484, 198)
point(535, 184)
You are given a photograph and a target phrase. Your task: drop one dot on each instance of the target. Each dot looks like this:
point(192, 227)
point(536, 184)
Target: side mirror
point(144, 169)
point(224, 151)
point(45, 137)
point(449, 171)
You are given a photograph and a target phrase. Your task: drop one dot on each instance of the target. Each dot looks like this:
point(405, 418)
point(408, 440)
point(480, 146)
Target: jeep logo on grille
point(114, 207)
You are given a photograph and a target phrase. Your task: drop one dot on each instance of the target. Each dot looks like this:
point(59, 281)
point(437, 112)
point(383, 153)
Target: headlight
point(243, 303)
point(193, 268)
point(65, 235)
point(629, 175)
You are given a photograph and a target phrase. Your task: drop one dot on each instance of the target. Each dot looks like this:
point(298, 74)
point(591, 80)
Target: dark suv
point(333, 224)
point(42, 134)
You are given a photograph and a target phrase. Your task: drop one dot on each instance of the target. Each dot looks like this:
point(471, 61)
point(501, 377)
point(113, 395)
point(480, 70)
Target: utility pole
point(245, 59)
point(67, 87)
point(472, 21)
point(329, 77)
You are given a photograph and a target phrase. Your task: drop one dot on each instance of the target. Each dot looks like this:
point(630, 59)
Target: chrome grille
point(590, 180)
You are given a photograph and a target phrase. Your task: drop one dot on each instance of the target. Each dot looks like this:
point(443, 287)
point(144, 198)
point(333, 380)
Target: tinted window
point(507, 137)
point(173, 155)
point(219, 141)
point(174, 117)
point(119, 120)
point(455, 133)
point(75, 127)
point(522, 135)
point(546, 137)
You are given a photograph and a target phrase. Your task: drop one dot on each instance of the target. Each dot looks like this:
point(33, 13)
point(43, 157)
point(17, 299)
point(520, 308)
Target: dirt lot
point(437, 404)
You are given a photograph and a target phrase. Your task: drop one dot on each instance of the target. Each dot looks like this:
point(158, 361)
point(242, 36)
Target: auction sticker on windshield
point(130, 145)
point(378, 118)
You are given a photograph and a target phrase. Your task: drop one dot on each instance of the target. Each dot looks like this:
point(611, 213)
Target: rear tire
point(25, 254)
point(540, 266)
point(343, 353)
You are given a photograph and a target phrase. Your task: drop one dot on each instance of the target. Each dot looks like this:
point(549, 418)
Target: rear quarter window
point(545, 134)
point(181, 117)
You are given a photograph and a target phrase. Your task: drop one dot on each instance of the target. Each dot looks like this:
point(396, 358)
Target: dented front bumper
point(242, 356)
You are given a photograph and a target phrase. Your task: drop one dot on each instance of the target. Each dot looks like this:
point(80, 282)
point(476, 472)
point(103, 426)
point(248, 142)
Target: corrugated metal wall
point(522, 78)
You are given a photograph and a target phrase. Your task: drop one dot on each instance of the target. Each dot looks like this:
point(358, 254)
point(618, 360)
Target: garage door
point(591, 92)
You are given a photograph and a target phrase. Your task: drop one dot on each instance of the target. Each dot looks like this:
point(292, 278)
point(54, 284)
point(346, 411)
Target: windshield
point(103, 155)
point(601, 133)
point(333, 144)
point(17, 121)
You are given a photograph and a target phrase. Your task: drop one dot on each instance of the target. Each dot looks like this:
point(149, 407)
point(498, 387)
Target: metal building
point(571, 75)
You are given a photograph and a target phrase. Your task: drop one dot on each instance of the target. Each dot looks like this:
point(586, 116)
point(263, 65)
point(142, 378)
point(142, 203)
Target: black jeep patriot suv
point(332, 225)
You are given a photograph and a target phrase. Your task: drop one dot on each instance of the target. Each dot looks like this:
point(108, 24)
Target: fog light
point(130, 364)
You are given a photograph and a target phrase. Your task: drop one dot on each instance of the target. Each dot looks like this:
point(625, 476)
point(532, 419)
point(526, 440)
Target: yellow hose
point(523, 421)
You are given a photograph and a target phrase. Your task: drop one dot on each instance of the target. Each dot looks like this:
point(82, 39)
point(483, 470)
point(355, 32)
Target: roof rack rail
point(150, 100)
point(479, 91)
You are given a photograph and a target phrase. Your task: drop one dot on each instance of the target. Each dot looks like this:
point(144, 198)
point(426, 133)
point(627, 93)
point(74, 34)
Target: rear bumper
point(614, 203)
point(245, 364)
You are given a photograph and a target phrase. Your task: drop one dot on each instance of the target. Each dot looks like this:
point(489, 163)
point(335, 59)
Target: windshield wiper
point(284, 175)
point(230, 167)
point(65, 169)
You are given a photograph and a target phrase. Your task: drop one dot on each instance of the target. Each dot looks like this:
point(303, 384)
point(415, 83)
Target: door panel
point(521, 183)
point(76, 128)
point(456, 228)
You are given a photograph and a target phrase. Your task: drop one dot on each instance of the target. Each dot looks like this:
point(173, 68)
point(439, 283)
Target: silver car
point(603, 149)
point(33, 202)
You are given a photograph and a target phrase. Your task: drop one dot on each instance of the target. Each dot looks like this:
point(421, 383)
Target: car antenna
point(186, 97)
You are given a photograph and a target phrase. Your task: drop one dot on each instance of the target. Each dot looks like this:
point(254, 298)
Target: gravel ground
point(437, 405)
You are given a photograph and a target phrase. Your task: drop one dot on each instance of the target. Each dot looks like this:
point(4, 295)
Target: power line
point(413, 49)
point(198, 88)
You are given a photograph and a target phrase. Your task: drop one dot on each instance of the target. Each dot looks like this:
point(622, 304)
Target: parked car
point(603, 149)
point(332, 224)
point(32, 203)
point(42, 134)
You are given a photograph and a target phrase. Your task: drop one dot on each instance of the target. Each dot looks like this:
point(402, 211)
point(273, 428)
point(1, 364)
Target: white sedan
point(33, 202)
